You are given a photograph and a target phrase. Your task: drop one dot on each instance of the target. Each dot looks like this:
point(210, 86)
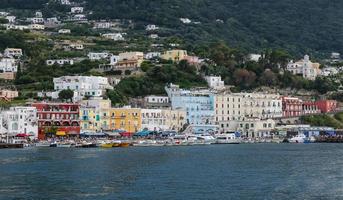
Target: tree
point(244, 78)
point(66, 95)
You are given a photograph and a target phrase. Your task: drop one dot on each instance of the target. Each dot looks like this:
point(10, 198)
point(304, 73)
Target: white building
point(329, 71)
point(151, 55)
point(151, 27)
point(79, 17)
point(13, 52)
point(153, 36)
point(39, 14)
point(82, 86)
point(64, 31)
point(254, 57)
point(65, 2)
point(19, 120)
point(98, 56)
point(60, 62)
point(75, 10)
point(15, 27)
point(305, 68)
point(256, 128)
point(11, 19)
point(35, 20)
point(8, 65)
point(76, 46)
point(215, 82)
point(36, 26)
point(185, 20)
point(4, 14)
point(242, 106)
point(163, 119)
point(114, 36)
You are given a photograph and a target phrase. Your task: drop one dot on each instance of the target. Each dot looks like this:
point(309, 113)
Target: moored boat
point(229, 138)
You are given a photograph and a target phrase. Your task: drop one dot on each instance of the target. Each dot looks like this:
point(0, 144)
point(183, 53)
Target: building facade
point(163, 119)
point(95, 114)
point(126, 118)
point(198, 104)
point(305, 68)
point(174, 55)
point(57, 117)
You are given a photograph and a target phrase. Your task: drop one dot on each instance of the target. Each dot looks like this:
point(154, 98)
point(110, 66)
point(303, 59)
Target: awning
point(22, 135)
point(113, 134)
point(93, 134)
point(60, 133)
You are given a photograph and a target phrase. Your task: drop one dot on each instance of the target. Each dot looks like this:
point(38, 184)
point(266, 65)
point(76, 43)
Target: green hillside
point(296, 25)
point(299, 26)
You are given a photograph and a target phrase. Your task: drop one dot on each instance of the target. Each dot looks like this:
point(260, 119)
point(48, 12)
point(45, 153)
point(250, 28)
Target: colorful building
point(326, 106)
point(174, 55)
point(163, 119)
point(95, 114)
point(291, 107)
point(57, 118)
point(126, 118)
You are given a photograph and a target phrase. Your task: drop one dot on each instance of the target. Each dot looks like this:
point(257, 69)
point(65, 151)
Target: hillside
point(296, 25)
point(299, 26)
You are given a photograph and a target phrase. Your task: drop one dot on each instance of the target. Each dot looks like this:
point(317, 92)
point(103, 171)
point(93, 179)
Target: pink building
point(310, 107)
point(326, 106)
point(8, 94)
point(292, 107)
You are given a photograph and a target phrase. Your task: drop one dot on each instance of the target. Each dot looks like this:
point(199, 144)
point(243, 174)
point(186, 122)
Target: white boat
point(227, 139)
point(148, 143)
point(300, 138)
point(64, 145)
point(43, 144)
point(180, 140)
point(207, 138)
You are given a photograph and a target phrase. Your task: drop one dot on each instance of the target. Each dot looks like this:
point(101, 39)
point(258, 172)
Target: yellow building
point(174, 55)
point(95, 114)
point(128, 119)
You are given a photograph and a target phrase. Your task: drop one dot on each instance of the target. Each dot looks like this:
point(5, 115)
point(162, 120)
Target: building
point(95, 114)
point(152, 55)
point(114, 36)
point(64, 31)
point(35, 20)
point(292, 107)
point(185, 20)
point(151, 27)
point(310, 107)
point(78, 17)
point(19, 120)
point(8, 94)
point(13, 52)
point(8, 65)
point(326, 106)
point(75, 10)
point(126, 118)
point(7, 75)
point(11, 19)
point(305, 68)
point(83, 86)
point(15, 27)
point(192, 60)
point(215, 82)
point(256, 128)
point(60, 62)
point(52, 22)
point(254, 57)
point(243, 106)
point(163, 119)
point(57, 118)
point(198, 104)
point(36, 26)
point(76, 46)
point(154, 102)
point(65, 2)
point(174, 55)
point(130, 59)
point(113, 81)
point(98, 56)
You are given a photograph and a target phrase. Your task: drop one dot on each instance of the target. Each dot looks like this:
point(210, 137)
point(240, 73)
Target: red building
point(310, 107)
point(326, 106)
point(292, 107)
point(60, 117)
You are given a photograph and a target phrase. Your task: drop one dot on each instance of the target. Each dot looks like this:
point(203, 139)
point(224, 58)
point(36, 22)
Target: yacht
point(300, 138)
point(227, 139)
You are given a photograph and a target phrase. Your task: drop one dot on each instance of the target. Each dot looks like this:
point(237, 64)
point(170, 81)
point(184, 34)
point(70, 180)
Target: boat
point(147, 143)
point(300, 138)
point(229, 138)
point(43, 144)
point(124, 144)
point(207, 138)
point(64, 145)
point(180, 140)
point(106, 145)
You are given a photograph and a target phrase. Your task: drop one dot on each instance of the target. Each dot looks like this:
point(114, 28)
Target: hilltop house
point(305, 68)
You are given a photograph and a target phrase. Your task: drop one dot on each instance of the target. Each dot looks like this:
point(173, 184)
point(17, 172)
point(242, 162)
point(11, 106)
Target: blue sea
point(246, 171)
